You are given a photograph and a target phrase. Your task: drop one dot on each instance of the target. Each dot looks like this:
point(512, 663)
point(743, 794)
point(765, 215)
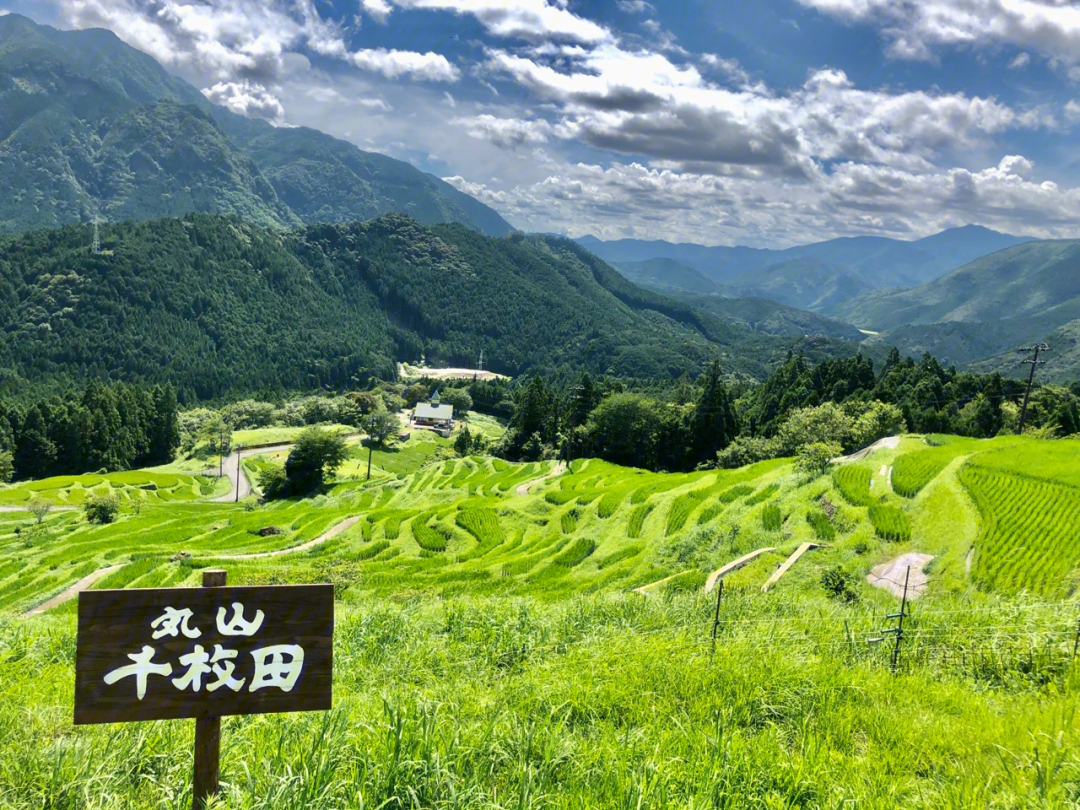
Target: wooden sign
point(167, 653)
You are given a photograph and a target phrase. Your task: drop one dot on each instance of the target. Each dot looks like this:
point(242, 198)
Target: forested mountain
point(92, 127)
point(985, 310)
point(219, 307)
point(819, 275)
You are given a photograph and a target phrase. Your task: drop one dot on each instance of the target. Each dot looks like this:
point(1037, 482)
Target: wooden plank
point(731, 566)
point(118, 624)
point(790, 561)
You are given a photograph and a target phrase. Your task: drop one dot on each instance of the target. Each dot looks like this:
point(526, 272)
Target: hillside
point(92, 127)
point(479, 618)
point(829, 272)
point(221, 307)
point(666, 275)
point(985, 309)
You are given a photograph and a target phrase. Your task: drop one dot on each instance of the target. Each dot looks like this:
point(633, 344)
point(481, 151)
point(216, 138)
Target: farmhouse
point(434, 414)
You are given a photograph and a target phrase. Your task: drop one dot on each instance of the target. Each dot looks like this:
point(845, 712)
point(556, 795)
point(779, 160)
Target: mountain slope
point(981, 313)
point(91, 127)
point(665, 275)
point(221, 308)
point(870, 261)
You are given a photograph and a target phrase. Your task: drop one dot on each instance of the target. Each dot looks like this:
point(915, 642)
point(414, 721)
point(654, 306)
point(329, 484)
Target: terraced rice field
point(1030, 539)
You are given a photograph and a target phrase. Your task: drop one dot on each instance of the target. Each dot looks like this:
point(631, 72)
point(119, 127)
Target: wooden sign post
point(169, 653)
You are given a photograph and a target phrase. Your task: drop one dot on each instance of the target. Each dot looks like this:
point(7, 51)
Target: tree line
point(838, 404)
point(109, 427)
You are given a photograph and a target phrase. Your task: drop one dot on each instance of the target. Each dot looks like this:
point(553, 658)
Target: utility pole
point(897, 631)
point(480, 364)
point(1076, 641)
point(96, 246)
point(716, 618)
point(370, 445)
point(1034, 361)
point(575, 396)
point(238, 473)
point(221, 453)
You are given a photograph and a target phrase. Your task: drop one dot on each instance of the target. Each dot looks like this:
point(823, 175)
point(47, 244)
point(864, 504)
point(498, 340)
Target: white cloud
point(393, 63)
point(640, 103)
point(243, 40)
point(634, 200)
point(4, 12)
point(914, 27)
point(634, 6)
point(1072, 111)
point(379, 9)
point(505, 131)
point(532, 20)
point(1020, 61)
point(248, 99)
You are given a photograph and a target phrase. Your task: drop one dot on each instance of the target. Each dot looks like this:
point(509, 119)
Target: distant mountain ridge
point(220, 307)
point(91, 127)
point(980, 313)
point(820, 275)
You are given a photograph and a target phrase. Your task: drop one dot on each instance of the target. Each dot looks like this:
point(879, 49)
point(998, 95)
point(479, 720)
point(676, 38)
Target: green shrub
point(839, 584)
point(890, 522)
point(772, 519)
point(101, 508)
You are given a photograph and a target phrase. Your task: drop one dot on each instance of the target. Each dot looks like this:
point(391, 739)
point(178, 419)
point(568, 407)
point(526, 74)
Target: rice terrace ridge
point(547, 405)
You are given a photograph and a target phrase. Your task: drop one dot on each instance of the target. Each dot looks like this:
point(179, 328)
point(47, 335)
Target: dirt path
point(891, 442)
point(890, 575)
point(733, 565)
point(235, 476)
point(790, 561)
point(348, 523)
point(73, 591)
point(523, 490)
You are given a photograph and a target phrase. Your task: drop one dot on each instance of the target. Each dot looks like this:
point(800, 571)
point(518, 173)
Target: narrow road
point(236, 477)
point(891, 442)
point(69, 593)
point(523, 490)
point(891, 575)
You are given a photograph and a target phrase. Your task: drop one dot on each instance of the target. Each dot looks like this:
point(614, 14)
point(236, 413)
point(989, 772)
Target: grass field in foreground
point(517, 667)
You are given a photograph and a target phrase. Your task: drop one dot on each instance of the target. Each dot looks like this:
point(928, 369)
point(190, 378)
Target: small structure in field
point(434, 415)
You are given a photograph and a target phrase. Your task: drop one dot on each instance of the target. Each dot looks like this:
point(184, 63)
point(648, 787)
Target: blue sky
point(765, 123)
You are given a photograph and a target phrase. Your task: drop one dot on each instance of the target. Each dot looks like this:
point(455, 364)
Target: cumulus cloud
point(393, 63)
point(248, 99)
point(379, 9)
point(914, 27)
point(634, 6)
point(505, 131)
point(640, 103)
point(635, 200)
point(532, 20)
point(254, 41)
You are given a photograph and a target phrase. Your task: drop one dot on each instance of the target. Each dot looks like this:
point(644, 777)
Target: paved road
point(232, 471)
